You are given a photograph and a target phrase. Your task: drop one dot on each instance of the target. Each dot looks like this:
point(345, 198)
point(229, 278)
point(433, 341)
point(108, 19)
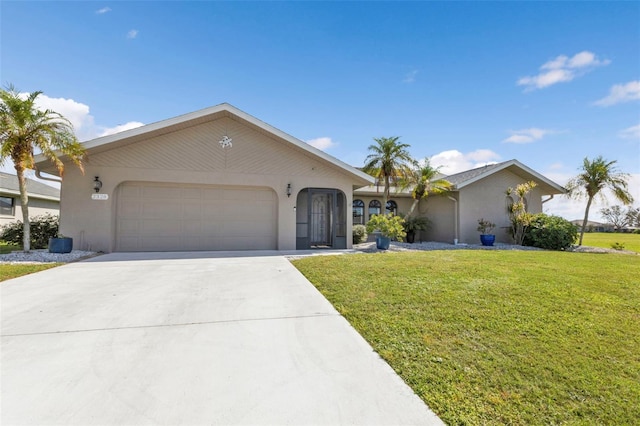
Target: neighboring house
point(593, 226)
point(477, 193)
point(215, 179)
point(43, 199)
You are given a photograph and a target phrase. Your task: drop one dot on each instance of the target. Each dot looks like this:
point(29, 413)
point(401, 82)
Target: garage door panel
point(159, 217)
point(192, 193)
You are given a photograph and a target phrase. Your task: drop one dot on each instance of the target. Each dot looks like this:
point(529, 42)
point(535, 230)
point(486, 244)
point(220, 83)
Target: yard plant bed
point(499, 337)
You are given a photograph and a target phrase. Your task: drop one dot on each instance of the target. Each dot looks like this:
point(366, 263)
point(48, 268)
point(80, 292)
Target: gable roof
point(467, 177)
point(462, 179)
point(219, 111)
point(9, 185)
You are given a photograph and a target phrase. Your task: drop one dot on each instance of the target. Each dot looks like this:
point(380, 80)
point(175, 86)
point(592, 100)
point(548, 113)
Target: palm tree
point(389, 160)
point(597, 175)
point(422, 178)
point(24, 129)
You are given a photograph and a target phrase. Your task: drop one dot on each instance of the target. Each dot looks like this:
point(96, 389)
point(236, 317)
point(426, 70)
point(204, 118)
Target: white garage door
point(162, 217)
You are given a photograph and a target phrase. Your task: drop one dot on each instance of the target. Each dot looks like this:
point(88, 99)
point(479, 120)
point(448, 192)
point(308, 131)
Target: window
point(358, 212)
point(6, 206)
point(374, 208)
point(392, 207)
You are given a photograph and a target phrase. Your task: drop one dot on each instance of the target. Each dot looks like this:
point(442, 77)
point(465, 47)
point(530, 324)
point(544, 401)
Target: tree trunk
point(24, 201)
point(385, 196)
point(413, 207)
point(586, 219)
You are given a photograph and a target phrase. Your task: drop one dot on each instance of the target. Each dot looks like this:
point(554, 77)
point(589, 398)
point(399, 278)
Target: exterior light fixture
point(288, 190)
point(97, 184)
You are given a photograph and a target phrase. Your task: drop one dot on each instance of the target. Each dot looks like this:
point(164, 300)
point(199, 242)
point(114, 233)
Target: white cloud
point(546, 79)
point(527, 135)
point(121, 128)
point(80, 117)
point(410, 77)
point(132, 34)
point(322, 144)
point(454, 161)
point(562, 69)
point(103, 10)
point(621, 93)
point(76, 112)
point(632, 132)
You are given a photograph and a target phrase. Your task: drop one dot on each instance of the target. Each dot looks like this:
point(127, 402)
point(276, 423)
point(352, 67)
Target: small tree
point(422, 179)
point(616, 217)
point(389, 161)
point(520, 218)
point(24, 130)
point(595, 176)
point(633, 216)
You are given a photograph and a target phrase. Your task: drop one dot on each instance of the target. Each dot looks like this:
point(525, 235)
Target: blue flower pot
point(487, 240)
point(60, 245)
point(383, 243)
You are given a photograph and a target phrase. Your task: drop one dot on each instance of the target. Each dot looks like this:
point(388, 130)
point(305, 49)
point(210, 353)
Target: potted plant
point(390, 228)
point(413, 224)
point(485, 227)
point(60, 244)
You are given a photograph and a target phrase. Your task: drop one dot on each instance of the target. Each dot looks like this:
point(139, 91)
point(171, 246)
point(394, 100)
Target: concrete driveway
point(188, 338)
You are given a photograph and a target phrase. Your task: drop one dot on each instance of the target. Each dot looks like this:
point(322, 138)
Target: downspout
point(548, 199)
point(455, 219)
point(39, 176)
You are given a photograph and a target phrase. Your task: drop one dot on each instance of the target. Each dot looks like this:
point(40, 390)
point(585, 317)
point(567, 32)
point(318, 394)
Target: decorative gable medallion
point(225, 142)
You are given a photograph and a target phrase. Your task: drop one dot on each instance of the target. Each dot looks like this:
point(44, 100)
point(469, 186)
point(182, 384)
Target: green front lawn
point(13, 271)
point(606, 239)
point(8, 248)
point(499, 337)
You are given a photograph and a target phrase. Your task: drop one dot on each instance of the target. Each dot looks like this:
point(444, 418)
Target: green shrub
point(389, 226)
point(550, 232)
point(416, 223)
point(359, 234)
point(42, 228)
point(617, 246)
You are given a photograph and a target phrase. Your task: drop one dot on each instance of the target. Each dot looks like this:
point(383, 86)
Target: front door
point(321, 215)
point(321, 219)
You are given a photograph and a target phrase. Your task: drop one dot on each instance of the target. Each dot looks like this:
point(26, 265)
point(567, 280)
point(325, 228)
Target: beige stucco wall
point(194, 156)
point(440, 210)
point(486, 199)
point(37, 207)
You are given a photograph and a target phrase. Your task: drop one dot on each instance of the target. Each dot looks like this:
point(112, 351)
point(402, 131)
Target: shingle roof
point(468, 177)
point(9, 184)
point(462, 177)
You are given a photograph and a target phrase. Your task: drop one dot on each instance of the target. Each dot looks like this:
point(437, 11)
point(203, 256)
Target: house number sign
point(100, 196)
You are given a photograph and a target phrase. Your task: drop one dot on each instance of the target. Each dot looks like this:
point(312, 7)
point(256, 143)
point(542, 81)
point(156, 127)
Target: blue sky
point(465, 83)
